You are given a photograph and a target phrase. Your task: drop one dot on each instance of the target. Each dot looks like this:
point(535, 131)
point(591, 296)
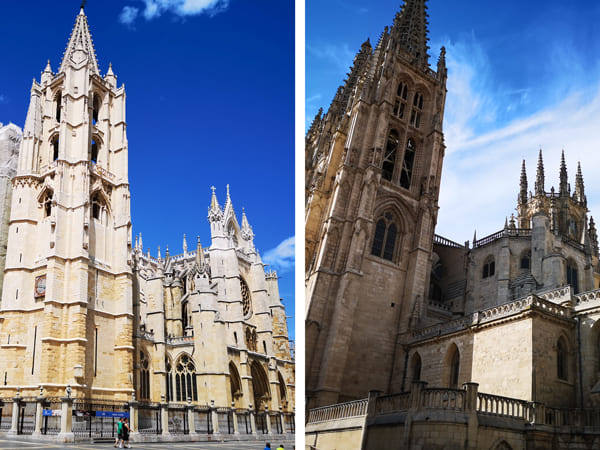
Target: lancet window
point(417, 110)
point(572, 276)
point(58, 104)
point(389, 157)
point(47, 202)
point(400, 103)
point(97, 206)
point(144, 387)
point(55, 141)
point(407, 164)
point(95, 108)
point(561, 359)
point(94, 151)
point(384, 240)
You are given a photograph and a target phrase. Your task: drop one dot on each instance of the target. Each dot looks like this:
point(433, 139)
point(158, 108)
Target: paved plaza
point(10, 444)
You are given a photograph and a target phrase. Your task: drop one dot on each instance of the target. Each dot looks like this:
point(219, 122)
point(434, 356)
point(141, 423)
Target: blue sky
point(522, 76)
point(210, 101)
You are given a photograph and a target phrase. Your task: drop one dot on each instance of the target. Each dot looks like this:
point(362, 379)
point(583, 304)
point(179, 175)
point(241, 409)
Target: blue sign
point(112, 414)
point(51, 412)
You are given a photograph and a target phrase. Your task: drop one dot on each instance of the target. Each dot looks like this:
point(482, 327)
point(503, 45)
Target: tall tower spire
point(563, 190)
point(579, 189)
point(410, 30)
point(523, 185)
point(539, 177)
point(80, 49)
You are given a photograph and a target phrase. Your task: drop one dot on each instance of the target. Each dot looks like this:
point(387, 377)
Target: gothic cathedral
point(85, 308)
point(373, 167)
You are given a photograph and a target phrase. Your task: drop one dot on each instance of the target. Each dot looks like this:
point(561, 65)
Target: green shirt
point(119, 427)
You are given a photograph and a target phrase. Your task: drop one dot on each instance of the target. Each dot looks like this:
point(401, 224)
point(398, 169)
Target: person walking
point(280, 447)
point(268, 446)
point(119, 432)
point(126, 431)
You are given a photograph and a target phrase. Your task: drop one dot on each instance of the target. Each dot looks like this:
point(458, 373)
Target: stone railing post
point(14, 425)
point(190, 417)
point(371, 412)
point(234, 418)
point(268, 420)
point(372, 402)
point(66, 419)
point(470, 396)
point(416, 391)
point(39, 408)
point(538, 413)
point(164, 416)
point(133, 419)
point(414, 405)
point(252, 419)
point(470, 407)
point(214, 415)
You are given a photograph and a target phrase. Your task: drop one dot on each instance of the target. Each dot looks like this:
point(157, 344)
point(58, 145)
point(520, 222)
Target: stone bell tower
point(66, 312)
point(373, 168)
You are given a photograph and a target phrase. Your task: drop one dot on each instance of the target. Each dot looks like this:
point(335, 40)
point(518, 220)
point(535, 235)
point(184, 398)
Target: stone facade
point(515, 312)
point(85, 310)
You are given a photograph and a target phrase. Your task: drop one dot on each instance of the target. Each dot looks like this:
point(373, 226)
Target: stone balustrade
point(392, 403)
point(347, 410)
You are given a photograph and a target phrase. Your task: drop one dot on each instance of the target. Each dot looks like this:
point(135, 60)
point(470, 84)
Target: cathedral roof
point(80, 43)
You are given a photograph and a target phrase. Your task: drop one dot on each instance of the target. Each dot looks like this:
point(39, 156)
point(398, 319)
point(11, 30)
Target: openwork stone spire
point(410, 30)
point(539, 178)
point(579, 188)
point(80, 47)
point(523, 185)
point(564, 179)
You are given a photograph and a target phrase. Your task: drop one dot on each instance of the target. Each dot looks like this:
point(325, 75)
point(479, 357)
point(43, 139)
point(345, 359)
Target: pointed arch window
point(562, 359)
point(417, 110)
point(415, 367)
point(55, 141)
point(95, 108)
point(384, 240)
point(58, 105)
point(573, 276)
point(282, 389)
point(235, 382)
point(407, 164)
point(453, 366)
point(185, 380)
point(95, 147)
point(389, 157)
point(144, 387)
point(400, 103)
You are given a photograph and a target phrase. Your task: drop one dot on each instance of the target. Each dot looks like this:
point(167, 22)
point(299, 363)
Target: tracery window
point(389, 157)
point(417, 109)
point(489, 268)
point(400, 103)
point(407, 164)
point(384, 240)
point(572, 276)
point(246, 299)
point(561, 359)
point(169, 380)
point(144, 388)
point(185, 380)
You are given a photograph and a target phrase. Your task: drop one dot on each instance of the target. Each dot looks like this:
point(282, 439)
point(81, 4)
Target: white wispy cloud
point(281, 258)
point(486, 146)
point(182, 8)
point(128, 15)
point(338, 56)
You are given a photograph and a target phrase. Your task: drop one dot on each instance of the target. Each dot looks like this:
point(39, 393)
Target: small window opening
point(58, 106)
point(265, 347)
point(95, 109)
point(489, 269)
point(55, 142)
point(94, 155)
